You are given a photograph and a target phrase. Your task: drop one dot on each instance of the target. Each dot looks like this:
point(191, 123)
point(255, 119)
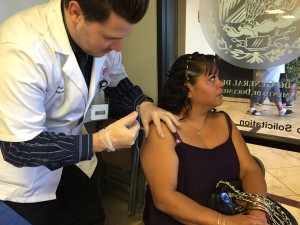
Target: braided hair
point(186, 69)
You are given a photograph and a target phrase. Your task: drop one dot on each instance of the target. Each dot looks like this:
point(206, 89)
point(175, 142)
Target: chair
point(9, 216)
point(260, 163)
point(130, 177)
point(138, 180)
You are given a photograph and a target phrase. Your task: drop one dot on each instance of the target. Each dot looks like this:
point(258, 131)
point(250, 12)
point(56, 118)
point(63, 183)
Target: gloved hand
point(120, 134)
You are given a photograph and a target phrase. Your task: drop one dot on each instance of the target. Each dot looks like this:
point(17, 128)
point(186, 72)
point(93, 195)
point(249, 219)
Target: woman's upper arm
point(159, 162)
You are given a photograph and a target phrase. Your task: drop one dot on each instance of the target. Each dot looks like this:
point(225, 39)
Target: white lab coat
point(43, 89)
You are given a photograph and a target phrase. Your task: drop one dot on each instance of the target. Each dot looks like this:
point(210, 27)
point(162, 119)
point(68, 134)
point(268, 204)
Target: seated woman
point(183, 168)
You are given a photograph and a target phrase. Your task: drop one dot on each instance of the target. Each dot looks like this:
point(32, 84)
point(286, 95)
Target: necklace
point(197, 130)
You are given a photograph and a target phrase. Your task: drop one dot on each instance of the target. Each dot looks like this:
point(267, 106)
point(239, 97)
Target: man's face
point(97, 39)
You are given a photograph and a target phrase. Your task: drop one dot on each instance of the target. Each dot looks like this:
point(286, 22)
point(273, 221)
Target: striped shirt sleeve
point(48, 149)
point(124, 98)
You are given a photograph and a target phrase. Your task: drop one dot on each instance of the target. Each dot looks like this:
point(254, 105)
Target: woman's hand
point(245, 219)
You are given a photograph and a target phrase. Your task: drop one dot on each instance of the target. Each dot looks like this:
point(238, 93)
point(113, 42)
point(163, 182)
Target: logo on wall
point(253, 34)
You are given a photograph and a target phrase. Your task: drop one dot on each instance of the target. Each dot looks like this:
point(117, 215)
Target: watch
point(147, 99)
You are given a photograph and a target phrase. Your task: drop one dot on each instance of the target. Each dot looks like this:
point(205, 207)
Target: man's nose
point(116, 45)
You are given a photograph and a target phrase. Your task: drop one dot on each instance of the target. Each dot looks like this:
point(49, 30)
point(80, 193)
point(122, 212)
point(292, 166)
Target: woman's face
point(207, 91)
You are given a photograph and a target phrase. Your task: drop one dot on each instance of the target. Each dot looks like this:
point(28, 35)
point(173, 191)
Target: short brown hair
point(99, 10)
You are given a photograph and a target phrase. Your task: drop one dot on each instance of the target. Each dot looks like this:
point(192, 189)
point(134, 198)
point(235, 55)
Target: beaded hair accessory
point(187, 71)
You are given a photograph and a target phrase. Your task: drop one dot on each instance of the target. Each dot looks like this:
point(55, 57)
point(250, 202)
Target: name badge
point(99, 112)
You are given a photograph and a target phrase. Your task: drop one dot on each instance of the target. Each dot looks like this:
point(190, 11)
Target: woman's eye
point(212, 78)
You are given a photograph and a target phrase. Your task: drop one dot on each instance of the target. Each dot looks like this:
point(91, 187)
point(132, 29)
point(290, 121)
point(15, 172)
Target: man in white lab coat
point(55, 59)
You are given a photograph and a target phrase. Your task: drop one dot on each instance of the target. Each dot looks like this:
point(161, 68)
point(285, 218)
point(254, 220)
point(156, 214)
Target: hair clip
point(187, 72)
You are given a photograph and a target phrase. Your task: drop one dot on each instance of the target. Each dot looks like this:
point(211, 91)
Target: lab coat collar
point(62, 47)
point(57, 29)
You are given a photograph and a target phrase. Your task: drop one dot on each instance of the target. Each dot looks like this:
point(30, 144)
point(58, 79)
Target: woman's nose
point(220, 83)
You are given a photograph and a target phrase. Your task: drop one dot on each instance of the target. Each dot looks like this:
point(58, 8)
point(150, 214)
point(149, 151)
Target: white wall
point(140, 48)
point(140, 53)
point(194, 39)
point(9, 7)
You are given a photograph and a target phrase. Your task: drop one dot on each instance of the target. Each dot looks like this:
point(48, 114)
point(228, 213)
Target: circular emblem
point(253, 34)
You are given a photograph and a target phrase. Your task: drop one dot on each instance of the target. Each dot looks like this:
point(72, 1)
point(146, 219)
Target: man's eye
point(109, 38)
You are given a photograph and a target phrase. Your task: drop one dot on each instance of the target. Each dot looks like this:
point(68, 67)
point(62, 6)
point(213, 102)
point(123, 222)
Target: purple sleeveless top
point(198, 173)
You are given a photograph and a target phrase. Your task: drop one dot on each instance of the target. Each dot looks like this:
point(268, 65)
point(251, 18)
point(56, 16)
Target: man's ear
point(75, 11)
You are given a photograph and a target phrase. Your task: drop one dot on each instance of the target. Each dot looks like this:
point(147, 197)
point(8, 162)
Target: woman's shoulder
point(153, 143)
point(221, 119)
point(219, 115)
point(153, 131)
